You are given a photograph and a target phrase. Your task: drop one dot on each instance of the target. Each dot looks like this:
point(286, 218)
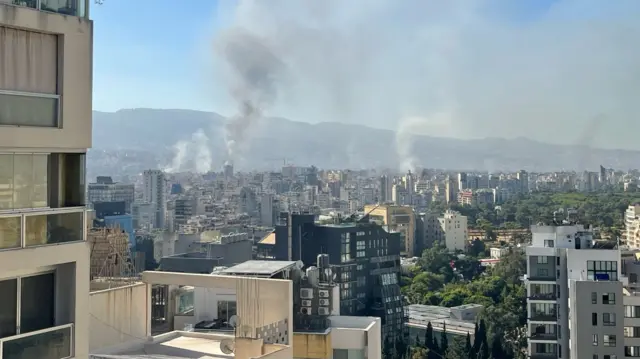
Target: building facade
point(45, 131)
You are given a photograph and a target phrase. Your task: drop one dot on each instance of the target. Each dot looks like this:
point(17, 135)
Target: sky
point(562, 71)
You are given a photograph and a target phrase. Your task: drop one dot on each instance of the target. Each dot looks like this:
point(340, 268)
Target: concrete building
point(456, 321)
point(397, 218)
point(454, 229)
point(574, 295)
point(105, 190)
point(45, 121)
point(122, 320)
point(155, 192)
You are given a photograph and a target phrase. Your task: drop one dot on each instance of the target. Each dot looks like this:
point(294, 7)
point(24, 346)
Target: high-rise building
point(105, 190)
point(523, 177)
point(155, 192)
point(574, 295)
point(45, 115)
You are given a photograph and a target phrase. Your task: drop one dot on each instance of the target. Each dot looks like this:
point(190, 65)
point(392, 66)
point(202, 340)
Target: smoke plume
point(459, 68)
point(194, 155)
point(253, 72)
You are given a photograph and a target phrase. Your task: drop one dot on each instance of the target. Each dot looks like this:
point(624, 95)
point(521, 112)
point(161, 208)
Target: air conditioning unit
point(306, 293)
point(306, 303)
point(324, 302)
point(323, 293)
point(305, 310)
point(323, 311)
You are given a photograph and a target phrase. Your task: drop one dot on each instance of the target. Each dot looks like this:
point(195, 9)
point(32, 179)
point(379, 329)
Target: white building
point(45, 121)
point(454, 228)
point(105, 190)
point(574, 295)
point(155, 192)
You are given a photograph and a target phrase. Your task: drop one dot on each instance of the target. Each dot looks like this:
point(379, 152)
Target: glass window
point(9, 307)
point(6, 181)
point(40, 169)
point(22, 181)
point(609, 340)
point(10, 232)
point(226, 309)
point(65, 7)
point(37, 299)
point(25, 110)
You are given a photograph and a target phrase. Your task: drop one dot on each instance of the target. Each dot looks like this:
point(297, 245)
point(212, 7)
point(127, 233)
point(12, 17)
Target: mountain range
point(136, 139)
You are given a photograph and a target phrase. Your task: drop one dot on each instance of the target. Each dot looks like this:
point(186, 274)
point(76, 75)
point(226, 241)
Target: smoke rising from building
point(458, 68)
point(253, 73)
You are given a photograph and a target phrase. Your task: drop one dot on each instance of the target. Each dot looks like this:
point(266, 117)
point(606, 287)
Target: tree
point(444, 341)
point(458, 349)
point(483, 352)
point(428, 337)
point(467, 346)
point(497, 351)
point(419, 353)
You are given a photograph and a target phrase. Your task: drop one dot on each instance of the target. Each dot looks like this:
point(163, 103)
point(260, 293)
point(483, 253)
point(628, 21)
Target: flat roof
point(176, 346)
point(258, 267)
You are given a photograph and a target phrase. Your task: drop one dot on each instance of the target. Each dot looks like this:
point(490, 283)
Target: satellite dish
point(233, 321)
point(228, 346)
point(299, 264)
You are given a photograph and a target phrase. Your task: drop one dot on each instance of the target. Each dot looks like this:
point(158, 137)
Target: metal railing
point(41, 227)
point(544, 336)
point(548, 277)
point(79, 9)
point(543, 296)
point(544, 317)
point(51, 343)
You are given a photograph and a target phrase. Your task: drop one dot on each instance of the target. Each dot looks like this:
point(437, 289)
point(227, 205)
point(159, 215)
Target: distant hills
point(146, 136)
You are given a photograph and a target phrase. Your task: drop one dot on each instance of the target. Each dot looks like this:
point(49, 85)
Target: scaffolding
point(110, 260)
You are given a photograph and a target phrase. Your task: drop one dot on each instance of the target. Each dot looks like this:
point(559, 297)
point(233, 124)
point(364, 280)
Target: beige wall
point(31, 260)
point(118, 316)
point(75, 76)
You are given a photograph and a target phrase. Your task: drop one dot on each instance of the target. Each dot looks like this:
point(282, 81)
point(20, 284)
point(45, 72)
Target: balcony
point(543, 317)
point(543, 356)
point(542, 278)
point(542, 296)
point(50, 343)
point(544, 336)
point(42, 227)
point(72, 8)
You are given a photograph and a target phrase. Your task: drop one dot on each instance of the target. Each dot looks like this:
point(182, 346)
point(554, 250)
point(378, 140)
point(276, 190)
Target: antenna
point(228, 346)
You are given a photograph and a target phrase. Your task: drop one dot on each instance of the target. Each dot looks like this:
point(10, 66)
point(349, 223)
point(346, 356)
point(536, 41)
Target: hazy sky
point(562, 71)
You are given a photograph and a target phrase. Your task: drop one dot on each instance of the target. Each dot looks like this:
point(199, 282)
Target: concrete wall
point(75, 82)
point(312, 345)
point(70, 257)
point(348, 332)
point(118, 316)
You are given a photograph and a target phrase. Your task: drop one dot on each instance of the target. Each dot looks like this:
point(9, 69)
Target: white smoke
point(194, 155)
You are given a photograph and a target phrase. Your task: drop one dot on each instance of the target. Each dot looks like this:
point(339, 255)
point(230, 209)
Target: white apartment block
point(155, 192)
point(631, 235)
point(454, 228)
point(574, 295)
point(45, 131)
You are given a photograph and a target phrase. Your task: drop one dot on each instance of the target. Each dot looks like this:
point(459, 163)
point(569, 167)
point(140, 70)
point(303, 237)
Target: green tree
point(444, 341)
point(497, 352)
point(458, 349)
point(428, 336)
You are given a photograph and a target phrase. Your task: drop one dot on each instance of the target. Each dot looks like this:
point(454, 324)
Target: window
point(226, 309)
point(609, 340)
point(594, 341)
point(594, 319)
point(23, 178)
point(548, 243)
point(543, 259)
point(632, 351)
point(27, 109)
point(602, 270)
point(595, 356)
point(609, 319)
point(610, 356)
point(8, 309)
point(632, 332)
point(594, 298)
point(543, 272)
point(37, 299)
point(609, 298)
point(631, 311)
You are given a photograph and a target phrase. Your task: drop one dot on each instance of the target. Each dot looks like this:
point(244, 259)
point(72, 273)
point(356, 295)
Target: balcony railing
point(544, 317)
point(42, 227)
point(544, 336)
point(543, 296)
point(73, 8)
point(543, 356)
point(50, 343)
point(545, 278)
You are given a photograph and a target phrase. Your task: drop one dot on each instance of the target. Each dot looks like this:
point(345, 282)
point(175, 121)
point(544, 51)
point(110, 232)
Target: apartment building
point(45, 131)
point(574, 295)
point(105, 190)
point(454, 227)
point(155, 192)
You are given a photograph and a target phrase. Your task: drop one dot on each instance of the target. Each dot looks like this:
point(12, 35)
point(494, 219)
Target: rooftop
point(258, 268)
point(175, 344)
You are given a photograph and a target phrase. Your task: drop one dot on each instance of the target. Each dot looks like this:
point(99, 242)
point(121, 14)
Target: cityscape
point(165, 233)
